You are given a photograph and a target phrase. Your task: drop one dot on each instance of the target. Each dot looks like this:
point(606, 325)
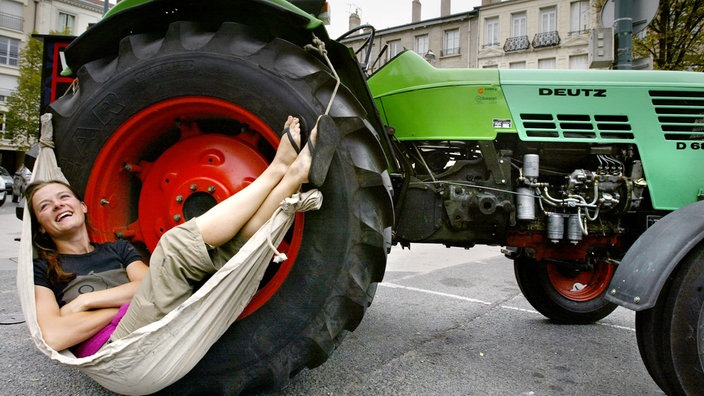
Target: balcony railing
point(9, 21)
point(547, 39)
point(517, 43)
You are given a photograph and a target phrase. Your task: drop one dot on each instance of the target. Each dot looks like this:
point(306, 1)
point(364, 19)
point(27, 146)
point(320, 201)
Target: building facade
point(446, 41)
point(538, 34)
point(19, 19)
point(535, 34)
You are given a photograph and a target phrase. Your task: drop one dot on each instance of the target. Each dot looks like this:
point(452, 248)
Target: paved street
point(444, 322)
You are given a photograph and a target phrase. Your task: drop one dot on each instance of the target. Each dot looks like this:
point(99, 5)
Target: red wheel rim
point(580, 285)
point(160, 168)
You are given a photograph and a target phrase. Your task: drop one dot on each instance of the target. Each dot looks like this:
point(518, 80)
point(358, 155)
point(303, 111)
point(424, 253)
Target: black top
point(103, 268)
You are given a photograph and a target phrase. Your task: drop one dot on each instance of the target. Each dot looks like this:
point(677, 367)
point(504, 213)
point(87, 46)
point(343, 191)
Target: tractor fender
point(654, 256)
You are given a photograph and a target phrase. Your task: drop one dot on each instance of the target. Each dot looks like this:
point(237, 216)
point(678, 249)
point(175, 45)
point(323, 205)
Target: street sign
point(643, 12)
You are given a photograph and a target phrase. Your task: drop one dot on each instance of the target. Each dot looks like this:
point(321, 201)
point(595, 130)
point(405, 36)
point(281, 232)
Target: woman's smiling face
point(57, 210)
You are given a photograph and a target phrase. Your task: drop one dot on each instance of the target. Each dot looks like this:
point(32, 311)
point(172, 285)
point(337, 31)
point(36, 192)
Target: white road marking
point(616, 326)
point(520, 309)
point(456, 297)
point(474, 300)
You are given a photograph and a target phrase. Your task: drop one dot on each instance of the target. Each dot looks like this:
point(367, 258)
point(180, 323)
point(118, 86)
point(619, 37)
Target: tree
point(674, 38)
point(22, 118)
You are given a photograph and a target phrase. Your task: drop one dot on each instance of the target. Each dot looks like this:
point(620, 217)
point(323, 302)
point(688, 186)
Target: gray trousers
point(180, 260)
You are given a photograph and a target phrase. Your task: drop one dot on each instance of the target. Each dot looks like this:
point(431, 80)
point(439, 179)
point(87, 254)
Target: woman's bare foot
point(286, 153)
point(300, 168)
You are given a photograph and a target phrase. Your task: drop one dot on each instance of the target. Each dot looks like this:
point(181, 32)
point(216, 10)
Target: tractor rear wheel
point(565, 295)
point(179, 121)
point(671, 334)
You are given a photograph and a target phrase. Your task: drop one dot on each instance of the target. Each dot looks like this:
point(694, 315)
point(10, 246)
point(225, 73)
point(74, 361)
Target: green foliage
point(674, 38)
point(22, 118)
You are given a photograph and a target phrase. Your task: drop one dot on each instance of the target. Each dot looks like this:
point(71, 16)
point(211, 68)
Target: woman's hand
point(79, 304)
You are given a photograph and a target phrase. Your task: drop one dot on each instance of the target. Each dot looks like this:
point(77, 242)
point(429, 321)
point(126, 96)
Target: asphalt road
point(444, 322)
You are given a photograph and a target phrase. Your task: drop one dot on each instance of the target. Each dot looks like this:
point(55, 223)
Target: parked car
point(7, 186)
point(21, 179)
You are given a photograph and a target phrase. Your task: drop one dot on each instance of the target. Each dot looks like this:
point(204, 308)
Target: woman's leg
point(222, 222)
point(295, 176)
point(214, 223)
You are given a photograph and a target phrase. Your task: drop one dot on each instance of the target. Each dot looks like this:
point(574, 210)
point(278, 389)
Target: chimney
point(355, 20)
point(415, 11)
point(444, 8)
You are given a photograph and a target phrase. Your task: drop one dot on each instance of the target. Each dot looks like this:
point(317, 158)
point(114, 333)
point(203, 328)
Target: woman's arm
point(64, 331)
point(109, 298)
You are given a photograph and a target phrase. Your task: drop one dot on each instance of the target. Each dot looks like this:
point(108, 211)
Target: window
point(546, 63)
point(517, 65)
point(9, 51)
point(452, 42)
point(421, 46)
point(12, 15)
point(3, 119)
point(519, 24)
point(548, 19)
point(579, 17)
point(518, 41)
point(66, 23)
point(579, 62)
point(394, 48)
point(491, 32)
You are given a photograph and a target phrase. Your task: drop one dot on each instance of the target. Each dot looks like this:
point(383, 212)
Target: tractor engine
point(464, 193)
point(460, 194)
point(568, 216)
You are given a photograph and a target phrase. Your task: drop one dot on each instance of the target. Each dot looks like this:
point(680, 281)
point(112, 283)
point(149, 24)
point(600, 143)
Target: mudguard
point(651, 260)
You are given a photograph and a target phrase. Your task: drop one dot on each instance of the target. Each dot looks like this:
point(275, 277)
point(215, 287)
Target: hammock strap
point(319, 47)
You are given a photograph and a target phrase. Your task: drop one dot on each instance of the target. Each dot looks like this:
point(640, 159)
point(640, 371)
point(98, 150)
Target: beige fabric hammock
point(160, 353)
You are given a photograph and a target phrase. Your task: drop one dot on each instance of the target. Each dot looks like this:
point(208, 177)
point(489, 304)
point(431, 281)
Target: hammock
point(162, 352)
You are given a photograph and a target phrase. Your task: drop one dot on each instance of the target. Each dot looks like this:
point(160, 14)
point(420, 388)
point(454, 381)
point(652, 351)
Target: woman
point(80, 286)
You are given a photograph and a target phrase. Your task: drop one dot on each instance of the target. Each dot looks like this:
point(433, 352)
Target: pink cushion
point(93, 344)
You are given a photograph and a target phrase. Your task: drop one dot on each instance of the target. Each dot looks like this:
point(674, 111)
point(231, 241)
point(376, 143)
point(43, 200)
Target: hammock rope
point(162, 352)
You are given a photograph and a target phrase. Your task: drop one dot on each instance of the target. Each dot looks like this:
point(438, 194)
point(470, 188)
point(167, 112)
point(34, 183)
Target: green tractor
point(176, 104)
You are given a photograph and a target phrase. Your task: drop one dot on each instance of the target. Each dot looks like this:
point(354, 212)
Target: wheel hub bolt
point(179, 198)
point(177, 218)
point(211, 189)
point(104, 202)
point(133, 168)
point(194, 187)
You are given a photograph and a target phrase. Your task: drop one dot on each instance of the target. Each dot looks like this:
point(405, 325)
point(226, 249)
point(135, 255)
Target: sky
point(386, 13)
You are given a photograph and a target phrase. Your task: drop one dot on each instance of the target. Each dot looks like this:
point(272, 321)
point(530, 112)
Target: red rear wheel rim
point(159, 168)
point(581, 285)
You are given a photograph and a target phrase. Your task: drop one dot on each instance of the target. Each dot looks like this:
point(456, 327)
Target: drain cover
point(10, 319)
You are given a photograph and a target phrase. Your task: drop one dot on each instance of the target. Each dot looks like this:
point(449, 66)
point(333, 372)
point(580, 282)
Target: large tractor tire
point(671, 334)
point(565, 295)
point(179, 121)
